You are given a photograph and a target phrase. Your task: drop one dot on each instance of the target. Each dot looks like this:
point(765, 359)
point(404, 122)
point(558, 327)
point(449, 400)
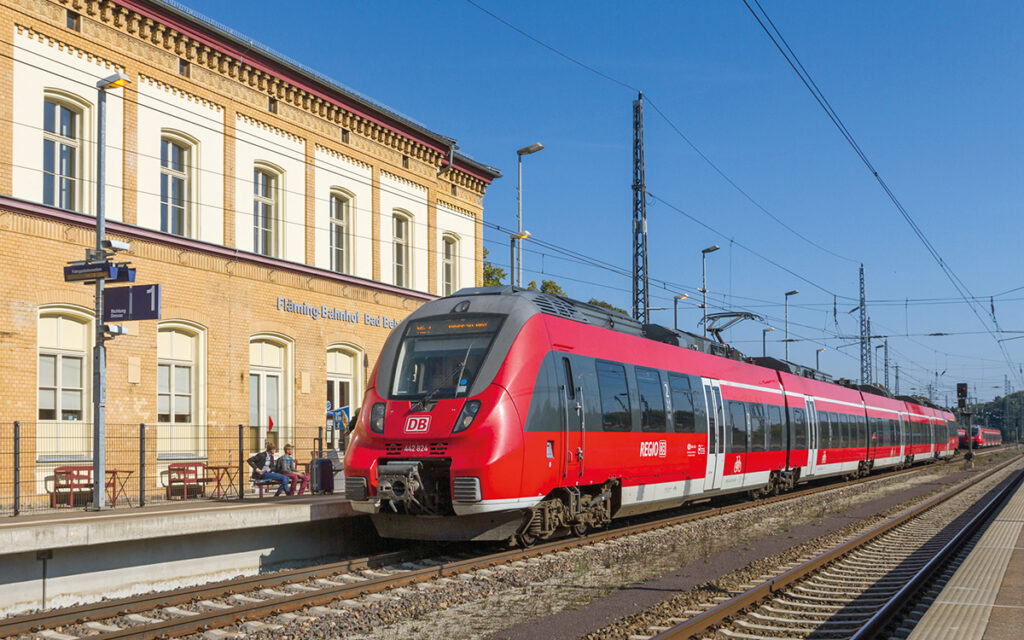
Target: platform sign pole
point(99, 351)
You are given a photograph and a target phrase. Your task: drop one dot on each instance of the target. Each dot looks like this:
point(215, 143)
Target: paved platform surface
point(79, 528)
point(984, 600)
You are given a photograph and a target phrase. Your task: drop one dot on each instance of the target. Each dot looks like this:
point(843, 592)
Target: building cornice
point(205, 44)
point(133, 232)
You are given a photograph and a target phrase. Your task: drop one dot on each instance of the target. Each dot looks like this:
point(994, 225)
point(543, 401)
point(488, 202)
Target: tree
point(546, 286)
point(605, 305)
point(492, 275)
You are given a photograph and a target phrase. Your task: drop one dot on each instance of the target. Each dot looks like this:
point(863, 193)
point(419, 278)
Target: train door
point(574, 421)
point(716, 437)
point(812, 437)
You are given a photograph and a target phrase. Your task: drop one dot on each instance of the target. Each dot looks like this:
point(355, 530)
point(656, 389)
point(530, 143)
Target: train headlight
point(466, 417)
point(377, 418)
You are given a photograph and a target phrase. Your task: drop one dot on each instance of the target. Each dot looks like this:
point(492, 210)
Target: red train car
point(985, 437)
point(504, 414)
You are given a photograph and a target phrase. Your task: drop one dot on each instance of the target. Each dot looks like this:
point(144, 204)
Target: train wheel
point(579, 530)
point(526, 540)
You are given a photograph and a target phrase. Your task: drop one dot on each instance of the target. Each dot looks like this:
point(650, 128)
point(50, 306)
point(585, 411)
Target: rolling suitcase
point(322, 476)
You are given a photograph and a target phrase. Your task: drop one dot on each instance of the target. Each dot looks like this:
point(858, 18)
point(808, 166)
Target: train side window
point(824, 430)
point(776, 437)
point(737, 416)
point(758, 426)
point(570, 387)
point(799, 424)
point(616, 412)
point(682, 404)
point(652, 403)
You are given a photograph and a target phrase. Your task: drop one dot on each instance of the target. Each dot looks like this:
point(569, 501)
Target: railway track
point(246, 601)
point(858, 589)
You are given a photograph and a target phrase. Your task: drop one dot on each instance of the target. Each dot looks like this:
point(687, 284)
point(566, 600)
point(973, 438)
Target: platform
point(984, 600)
point(77, 527)
point(72, 556)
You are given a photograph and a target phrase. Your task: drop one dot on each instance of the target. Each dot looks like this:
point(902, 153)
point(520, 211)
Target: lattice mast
point(641, 292)
point(865, 334)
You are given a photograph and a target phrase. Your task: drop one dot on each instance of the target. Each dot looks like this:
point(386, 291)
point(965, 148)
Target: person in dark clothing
point(263, 470)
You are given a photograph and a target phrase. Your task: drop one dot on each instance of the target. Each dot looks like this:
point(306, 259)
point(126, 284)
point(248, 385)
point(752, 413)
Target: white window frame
point(184, 440)
point(449, 262)
point(346, 224)
point(190, 152)
point(274, 204)
point(78, 170)
point(60, 440)
point(402, 248)
point(283, 423)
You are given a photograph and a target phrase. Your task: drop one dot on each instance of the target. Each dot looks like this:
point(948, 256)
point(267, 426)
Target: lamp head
point(682, 297)
point(768, 330)
point(533, 148)
point(713, 248)
point(793, 292)
point(115, 81)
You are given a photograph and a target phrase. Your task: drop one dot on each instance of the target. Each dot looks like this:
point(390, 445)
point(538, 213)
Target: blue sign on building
point(141, 302)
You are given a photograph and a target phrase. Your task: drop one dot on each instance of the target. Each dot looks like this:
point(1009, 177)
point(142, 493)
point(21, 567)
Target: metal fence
point(49, 464)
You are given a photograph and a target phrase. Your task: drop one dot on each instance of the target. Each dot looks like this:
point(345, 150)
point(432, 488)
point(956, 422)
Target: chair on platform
point(185, 475)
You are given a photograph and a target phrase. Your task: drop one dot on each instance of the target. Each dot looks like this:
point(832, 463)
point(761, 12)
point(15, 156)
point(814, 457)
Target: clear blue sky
point(932, 91)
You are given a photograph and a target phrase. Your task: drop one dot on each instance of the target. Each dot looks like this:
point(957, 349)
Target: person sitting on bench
point(262, 464)
point(286, 467)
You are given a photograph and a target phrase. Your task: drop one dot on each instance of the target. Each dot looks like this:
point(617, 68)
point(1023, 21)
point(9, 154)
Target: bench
point(72, 479)
point(261, 485)
point(185, 475)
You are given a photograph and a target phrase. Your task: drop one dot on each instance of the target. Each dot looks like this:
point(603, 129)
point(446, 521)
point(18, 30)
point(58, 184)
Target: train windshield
point(440, 357)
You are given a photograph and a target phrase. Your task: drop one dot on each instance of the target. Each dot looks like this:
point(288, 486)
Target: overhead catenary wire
point(672, 125)
point(218, 128)
point(775, 35)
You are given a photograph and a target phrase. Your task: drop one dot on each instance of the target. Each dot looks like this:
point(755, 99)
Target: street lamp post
point(99, 351)
point(817, 358)
point(675, 310)
point(514, 239)
point(764, 340)
point(704, 282)
point(518, 267)
point(788, 293)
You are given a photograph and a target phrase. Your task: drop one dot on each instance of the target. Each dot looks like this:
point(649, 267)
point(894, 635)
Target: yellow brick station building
point(291, 223)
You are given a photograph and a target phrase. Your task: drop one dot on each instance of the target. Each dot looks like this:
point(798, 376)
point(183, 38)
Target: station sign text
point(327, 312)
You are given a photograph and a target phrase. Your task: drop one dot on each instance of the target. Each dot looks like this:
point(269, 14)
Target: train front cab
point(441, 433)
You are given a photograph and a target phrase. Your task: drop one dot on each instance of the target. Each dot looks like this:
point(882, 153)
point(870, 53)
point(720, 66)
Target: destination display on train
point(448, 326)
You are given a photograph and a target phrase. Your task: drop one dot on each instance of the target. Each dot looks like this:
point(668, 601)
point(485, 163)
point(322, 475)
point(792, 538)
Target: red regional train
point(982, 436)
point(503, 414)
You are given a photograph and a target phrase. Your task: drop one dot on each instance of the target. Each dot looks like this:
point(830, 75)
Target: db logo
point(417, 424)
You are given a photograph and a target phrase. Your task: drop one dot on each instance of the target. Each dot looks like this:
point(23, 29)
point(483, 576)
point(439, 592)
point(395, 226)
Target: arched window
point(63, 409)
point(341, 230)
point(179, 387)
point(402, 237)
point(177, 184)
point(449, 264)
point(266, 210)
point(269, 410)
point(344, 379)
point(63, 124)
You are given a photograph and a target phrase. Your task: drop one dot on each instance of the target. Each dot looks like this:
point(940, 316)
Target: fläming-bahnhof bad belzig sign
point(287, 305)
